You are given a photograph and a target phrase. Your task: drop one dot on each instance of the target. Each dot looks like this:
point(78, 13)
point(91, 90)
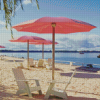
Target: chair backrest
point(70, 79)
point(18, 74)
point(18, 65)
point(15, 64)
point(31, 61)
point(49, 61)
point(41, 63)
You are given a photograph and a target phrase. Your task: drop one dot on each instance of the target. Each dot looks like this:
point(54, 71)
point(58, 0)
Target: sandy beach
point(84, 85)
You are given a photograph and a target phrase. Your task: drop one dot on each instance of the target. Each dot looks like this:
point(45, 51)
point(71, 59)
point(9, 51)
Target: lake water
point(87, 58)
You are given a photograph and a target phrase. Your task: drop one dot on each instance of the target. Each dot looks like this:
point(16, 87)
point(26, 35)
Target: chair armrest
point(53, 81)
point(27, 80)
point(23, 80)
point(33, 79)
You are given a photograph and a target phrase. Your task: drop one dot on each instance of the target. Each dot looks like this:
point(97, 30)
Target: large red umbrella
point(47, 42)
point(27, 39)
point(60, 25)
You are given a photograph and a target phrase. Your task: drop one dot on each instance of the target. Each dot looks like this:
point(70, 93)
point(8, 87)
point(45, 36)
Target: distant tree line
point(87, 51)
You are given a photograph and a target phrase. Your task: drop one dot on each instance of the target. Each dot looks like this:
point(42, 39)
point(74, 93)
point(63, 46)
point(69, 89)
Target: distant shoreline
point(63, 51)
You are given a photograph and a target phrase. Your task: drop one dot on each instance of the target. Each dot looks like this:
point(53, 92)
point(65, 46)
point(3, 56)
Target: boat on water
point(98, 56)
point(81, 52)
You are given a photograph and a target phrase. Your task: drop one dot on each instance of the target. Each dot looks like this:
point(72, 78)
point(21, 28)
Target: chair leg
point(20, 92)
point(28, 89)
point(49, 90)
point(65, 96)
point(17, 93)
point(24, 91)
point(38, 84)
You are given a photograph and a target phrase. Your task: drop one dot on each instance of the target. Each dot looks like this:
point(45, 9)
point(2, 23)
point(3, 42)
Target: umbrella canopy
point(60, 25)
point(27, 39)
point(63, 25)
point(2, 46)
point(47, 42)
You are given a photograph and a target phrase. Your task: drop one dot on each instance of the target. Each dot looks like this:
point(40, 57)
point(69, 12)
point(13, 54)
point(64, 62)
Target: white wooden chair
point(2, 57)
point(23, 83)
point(41, 63)
point(18, 65)
point(58, 92)
point(50, 61)
point(31, 62)
point(44, 63)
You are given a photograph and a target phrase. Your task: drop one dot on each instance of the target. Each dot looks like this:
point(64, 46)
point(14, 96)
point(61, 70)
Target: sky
point(84, 10)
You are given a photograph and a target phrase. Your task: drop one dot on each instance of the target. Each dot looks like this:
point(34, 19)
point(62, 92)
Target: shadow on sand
point(87, 69)
point(4, 95)
point(80, 98)
point(82, 75)
point(41, 97)
point(14, 60)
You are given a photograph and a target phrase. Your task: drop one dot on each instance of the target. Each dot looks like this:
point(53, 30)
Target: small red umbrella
point(27, 39)
point(59, 25)
point(47, 42)
point(2, 46)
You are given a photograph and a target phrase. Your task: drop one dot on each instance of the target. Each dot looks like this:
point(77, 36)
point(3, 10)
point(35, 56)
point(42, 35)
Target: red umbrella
point(60, 25)
point(27, 39)
point(47, 42)
point(2, 46)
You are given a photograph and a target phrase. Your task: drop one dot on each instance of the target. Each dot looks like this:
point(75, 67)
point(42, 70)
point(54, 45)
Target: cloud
point(2, 23)
point(79, 41)
point(74, 36)
point(26, 2)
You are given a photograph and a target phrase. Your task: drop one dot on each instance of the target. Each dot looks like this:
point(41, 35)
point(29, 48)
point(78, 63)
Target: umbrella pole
point(28, 54)
point(43, 51)
point(53, 49)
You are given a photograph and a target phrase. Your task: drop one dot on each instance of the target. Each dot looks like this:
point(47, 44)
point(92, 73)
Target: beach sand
point(84, 85)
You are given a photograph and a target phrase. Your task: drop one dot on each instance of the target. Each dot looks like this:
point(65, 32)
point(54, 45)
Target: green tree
point(9, 7)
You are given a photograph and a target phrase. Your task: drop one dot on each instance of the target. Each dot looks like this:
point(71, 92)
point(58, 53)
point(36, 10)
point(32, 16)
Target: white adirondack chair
point(23, 83)
point(44, 63)
point(41, 63)
point(50, 61)
point(18, 65)
point(31, 62)
point(58, 92)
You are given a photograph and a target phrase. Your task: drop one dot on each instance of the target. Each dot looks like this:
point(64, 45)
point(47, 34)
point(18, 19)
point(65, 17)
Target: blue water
point(88, 58)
